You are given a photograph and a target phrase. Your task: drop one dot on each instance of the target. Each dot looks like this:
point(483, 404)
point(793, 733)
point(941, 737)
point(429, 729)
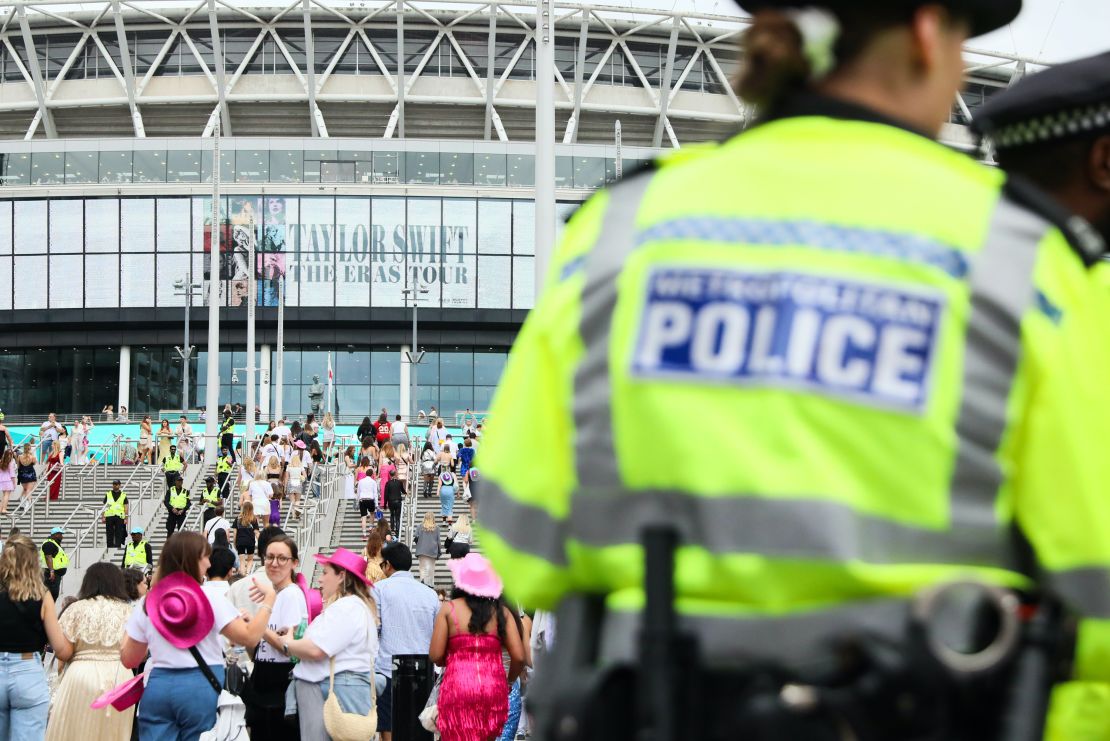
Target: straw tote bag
point(349, 726)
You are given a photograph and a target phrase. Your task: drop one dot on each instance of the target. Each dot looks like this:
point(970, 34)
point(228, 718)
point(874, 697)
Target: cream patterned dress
point(95, 627)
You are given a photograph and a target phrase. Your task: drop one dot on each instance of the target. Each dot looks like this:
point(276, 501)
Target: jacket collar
point(802, 104)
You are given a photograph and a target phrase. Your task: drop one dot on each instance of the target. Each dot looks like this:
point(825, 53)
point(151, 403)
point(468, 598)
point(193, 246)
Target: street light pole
point(248, 431)
point(415, 356)
point(280, 351)
point(212, 393)
point(187, 287)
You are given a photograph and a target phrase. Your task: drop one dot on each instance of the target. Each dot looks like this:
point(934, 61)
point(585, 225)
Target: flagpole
point(331, 383)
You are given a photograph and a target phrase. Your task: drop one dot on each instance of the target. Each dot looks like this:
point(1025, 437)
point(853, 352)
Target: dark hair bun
point(775, 63)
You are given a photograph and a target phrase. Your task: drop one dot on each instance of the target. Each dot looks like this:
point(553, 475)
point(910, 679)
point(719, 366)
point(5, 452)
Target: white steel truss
point(688, 80)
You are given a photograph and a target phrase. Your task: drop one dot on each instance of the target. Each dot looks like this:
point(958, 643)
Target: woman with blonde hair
point(28, 615)
point(55, 467)
point(372, 552)
point(246, 535)
point(338, 650)
point(327, 434)
point(146, 440)
point(295, 475)
point(427, 547)
point(25, 474)
point(8, 474)
point(165, 439)
point(459, 537)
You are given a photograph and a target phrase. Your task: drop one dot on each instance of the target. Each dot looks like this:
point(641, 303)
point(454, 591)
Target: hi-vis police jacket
point(874, 362)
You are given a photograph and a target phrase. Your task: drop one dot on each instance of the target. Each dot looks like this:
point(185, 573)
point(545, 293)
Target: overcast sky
point(1080, 28)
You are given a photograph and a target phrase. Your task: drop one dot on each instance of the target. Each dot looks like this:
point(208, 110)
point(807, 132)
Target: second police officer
point(115, 515)
point(858, 316)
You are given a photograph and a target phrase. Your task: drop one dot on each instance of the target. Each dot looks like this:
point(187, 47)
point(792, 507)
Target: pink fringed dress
point(474, 697)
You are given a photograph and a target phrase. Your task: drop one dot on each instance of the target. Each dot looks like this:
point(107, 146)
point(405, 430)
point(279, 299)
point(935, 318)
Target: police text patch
point(870, 342)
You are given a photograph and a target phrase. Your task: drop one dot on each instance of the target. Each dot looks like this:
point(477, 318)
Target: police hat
point(209, 478)
point(985, 15)
point(1061, 102)
point(116, 481)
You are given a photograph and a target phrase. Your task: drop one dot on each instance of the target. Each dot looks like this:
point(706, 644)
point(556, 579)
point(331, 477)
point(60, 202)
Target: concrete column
point(123, 397)
point(264, 382)
point(406, 380)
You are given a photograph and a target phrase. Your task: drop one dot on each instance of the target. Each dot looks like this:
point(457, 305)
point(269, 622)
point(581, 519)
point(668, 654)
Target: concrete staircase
point(442, 575)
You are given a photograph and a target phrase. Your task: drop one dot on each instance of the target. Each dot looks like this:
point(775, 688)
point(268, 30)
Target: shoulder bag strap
point(205, 669)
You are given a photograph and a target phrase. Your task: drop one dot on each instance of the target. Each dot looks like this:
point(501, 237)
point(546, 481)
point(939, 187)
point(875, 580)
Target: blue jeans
point(508, 732)
point(178, 704)
point(24, 698)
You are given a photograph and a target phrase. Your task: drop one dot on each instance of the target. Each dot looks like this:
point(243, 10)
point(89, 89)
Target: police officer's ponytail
point(785, 52)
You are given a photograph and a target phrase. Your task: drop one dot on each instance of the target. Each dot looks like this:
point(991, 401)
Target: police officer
point(173, 465)
point(137, 554)
point(210, 499)
point(227, 433)
point(54, 561)
point(177, 504)
point(115, 516)
point(1053, 128)
point(862, 305)
point(223, 470)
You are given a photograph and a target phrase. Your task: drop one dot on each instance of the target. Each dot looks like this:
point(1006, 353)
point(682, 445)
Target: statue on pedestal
point(316, 395)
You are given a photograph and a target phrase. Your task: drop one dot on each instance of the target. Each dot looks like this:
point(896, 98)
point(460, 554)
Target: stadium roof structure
point(449, 69)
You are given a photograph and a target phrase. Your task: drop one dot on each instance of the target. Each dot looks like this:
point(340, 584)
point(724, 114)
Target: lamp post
point(279, 370)
point(212, 397)
point(415, 356)
point(248, 431)
point(186, 287)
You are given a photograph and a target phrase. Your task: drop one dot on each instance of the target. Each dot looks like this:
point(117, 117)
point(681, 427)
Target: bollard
point(412, 683)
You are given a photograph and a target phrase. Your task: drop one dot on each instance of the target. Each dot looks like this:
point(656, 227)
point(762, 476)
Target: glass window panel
point(458, 270)
point(102, 225)
point(387, 167)
point(422, 167)
point(494, 282)
point(66, 226)
point(172, 267)
point(5, 286)
point(522, 170)
point(183, 165)
point(115, 167)
point(429, 369)
point(47, 168)
point(101, 281)
point(385, 367)
point(354, 269)
point(291, 365)
point(30, 282)
point(385, 397)
point(455, 399)
point(611, 169)
point(388, 215)
point(82, 167)
point(30, 234)
point(524, 282)
point(524, 228)
point(313, 363)
point(495, 224)
point(426, 398)
point(252, 166)
point(422, 238)
point(483, 398)
point(173, 232)
point(5, 227)
point(456, 367)
point(66, 281)
point(351, 399)
point(149, 166)
point(227, 165)
point(137, 225)
point(489, 169)
point(458, 277)
point(286, 166)
point(589, 172)
point(277, 247)
point(17, 168)
point(137, 279)
point(564, 172)
point(457, 168)
point(315, 270)
point(352, 366)
point(488, 367)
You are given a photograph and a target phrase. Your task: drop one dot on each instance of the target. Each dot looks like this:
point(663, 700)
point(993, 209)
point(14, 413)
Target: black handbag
point(235, 678)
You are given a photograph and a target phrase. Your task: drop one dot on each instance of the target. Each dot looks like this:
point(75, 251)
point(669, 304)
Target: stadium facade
point(367, 149)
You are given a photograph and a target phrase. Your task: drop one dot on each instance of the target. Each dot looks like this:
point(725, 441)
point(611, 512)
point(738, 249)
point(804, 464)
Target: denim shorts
point(24, 697)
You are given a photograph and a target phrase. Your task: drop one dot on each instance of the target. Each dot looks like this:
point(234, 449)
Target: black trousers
point(115, 531)
point(174, 522)
point(394, 516)
point(55, 584)
point(206, 515)
point(170, 476)
point(228, 441)
point(221, 482)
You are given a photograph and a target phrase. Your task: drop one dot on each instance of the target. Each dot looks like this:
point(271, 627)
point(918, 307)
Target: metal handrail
point(44, 484)
point(80, 535)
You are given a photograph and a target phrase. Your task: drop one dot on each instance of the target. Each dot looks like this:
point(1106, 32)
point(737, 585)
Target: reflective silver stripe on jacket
point(1085, 590)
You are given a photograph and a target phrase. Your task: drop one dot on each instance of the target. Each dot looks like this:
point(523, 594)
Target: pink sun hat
point(179, 610)
point(474, 575)
point(348, 561)
point(121, 696)
point(312, 597)
point(300, 444)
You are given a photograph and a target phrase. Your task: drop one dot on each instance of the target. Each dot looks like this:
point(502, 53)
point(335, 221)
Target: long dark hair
point(103, 579)
point(481, 610)
point(182, 552)
point(131, 580)
point(364, 428)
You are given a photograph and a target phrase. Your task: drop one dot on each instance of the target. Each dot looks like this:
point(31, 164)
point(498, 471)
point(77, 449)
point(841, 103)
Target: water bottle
point(299, 632)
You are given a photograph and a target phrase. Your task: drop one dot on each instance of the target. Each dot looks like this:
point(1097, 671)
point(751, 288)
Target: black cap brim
point(985, 15)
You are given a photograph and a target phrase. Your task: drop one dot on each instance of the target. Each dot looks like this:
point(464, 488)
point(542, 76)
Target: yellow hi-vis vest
point(179, 498)
point(61, 561)
point(901, 348)
point(135, 555)
point(173, 463)
point(115, 506)
point(223, 465)
point(211, 497)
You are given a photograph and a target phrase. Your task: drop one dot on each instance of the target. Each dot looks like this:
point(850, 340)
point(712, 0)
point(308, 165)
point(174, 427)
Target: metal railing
point(27, 514)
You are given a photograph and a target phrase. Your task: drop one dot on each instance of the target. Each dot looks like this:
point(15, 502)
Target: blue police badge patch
point(869, 342)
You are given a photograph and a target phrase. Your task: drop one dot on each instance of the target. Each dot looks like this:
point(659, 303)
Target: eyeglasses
point(280, 560)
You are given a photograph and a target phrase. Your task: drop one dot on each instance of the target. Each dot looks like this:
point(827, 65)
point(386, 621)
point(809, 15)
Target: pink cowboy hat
point(474, 575)
point(300, 444)
point(121, 696)
point(179, 610)
point(348, 560)
point(312, 596)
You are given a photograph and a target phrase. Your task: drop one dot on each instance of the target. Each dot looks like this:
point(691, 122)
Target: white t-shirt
point(219, 590)
point(49, 430)
point(367, 488)
point(296, 474)
point(289, 610)
point(270, 450)
point(261, 491)
point(345, 631)
point(217, 523)
point(163, 654)
point(398, 427)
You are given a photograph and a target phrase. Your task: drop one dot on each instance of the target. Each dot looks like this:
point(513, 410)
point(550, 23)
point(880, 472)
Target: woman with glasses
point(264, 695)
